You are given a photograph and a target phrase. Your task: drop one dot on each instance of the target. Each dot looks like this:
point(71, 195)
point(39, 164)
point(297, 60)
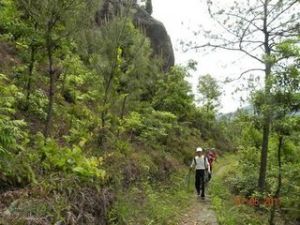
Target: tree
point(22, 32)
point(286, 96)
point(210, 92)
point(174, 93)
point(255, 28)
point(56, 21)
point(122, 58)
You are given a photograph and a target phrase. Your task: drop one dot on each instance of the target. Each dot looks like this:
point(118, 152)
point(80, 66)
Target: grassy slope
point(229, 212)
point(134, 199)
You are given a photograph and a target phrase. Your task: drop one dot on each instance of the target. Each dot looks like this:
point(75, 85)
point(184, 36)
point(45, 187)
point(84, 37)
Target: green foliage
point(244, 182)
point(13, 139)
point(120, 123)
point(10, 19)
point(251, 137)
point(148, 204)
point(12, 135)
point(174, 93)
point(229, 211)
point(71, 161)
point(157, 125)
point(153, 126)
point(209, 91)
point(133, 123)
point(38, 104)
point(121, 57)
point(289, 48)
point(76, 78)
point(117, 119)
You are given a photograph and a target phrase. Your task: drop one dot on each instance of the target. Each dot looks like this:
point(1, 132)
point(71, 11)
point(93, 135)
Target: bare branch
point(245, 72)
point(228, 48)
point(226, 28)
point(244, 41)
point(251, 55)
point(258, 14)
point(248, 21)
point(284, 24)
point(253, 42)
point(284, 31)
point(283, 11)
point(244, 33)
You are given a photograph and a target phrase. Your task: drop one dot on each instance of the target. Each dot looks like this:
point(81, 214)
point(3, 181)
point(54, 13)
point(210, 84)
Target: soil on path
point(199, 213)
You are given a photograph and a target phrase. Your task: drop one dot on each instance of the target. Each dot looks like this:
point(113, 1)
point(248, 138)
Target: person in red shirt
point(211, 156)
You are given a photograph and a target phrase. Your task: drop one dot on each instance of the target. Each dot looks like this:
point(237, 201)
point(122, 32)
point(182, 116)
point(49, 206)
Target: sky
point(181, 19)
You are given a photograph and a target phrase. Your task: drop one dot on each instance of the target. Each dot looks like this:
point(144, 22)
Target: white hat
point(198, 149)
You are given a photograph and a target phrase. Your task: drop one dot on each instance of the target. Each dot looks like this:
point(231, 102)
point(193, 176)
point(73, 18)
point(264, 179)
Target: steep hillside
point(92, 129)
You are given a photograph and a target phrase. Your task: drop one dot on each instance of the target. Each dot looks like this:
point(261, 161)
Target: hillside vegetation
point(91, 130)
point(94, 130)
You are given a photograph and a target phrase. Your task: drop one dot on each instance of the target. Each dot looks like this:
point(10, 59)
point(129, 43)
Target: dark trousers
point(199, 182)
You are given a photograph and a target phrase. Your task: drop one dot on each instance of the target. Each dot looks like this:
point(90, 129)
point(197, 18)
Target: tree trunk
point(266, 113)
point(104, 110)
point(279, 180)
point(123, 107)
point(29, 80)
point(264, 155)
point(106, 95)
point(122, 112)
point(51, 89)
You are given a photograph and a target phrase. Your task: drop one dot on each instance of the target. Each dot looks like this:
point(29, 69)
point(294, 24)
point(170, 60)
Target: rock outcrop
point(154, 29)
point(157, 33)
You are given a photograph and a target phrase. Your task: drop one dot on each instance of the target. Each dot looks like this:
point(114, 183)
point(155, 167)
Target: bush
point(244, 179)
point(71, 160)
point(150, 127)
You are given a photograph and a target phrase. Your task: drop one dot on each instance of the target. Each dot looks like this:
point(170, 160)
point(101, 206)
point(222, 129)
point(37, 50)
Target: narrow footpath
point(199, 213)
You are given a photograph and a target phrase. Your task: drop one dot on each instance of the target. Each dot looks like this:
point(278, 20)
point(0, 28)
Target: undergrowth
point(228, 209)
point(151, 203)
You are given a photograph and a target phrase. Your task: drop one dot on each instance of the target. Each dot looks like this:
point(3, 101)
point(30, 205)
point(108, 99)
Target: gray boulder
point(157, 33)
point(154, 29)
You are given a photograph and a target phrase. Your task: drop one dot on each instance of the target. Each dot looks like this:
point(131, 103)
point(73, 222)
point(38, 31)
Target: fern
point(11, 131)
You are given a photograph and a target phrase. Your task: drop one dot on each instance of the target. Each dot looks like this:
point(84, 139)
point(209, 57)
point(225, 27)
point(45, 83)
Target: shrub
point(71, 160)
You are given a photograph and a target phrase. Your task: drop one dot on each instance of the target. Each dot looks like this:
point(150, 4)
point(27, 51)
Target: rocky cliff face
point(157, 33)
point(154, 29)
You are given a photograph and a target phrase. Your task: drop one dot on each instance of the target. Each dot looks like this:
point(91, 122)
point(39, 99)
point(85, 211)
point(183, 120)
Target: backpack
point(205, 162)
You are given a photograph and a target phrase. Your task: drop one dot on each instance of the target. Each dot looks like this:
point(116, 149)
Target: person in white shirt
point(201, 164)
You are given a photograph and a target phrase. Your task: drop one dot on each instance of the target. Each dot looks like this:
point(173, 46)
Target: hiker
point(201, 165)
point(211, 156)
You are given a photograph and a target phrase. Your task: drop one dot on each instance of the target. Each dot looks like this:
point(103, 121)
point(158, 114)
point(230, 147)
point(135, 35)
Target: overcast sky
point(181, 18)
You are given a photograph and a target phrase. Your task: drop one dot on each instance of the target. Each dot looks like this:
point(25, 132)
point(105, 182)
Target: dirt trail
point(200, 213)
